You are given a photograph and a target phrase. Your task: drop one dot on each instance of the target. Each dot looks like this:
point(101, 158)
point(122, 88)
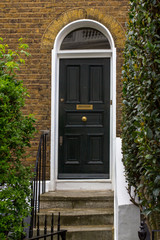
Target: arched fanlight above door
point(85, 38)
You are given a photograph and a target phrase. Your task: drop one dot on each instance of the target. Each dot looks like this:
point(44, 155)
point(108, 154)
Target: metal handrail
point(38, 184)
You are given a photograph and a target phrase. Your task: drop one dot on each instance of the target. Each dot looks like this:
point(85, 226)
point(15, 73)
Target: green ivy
point(141, 107)
point(15, 133)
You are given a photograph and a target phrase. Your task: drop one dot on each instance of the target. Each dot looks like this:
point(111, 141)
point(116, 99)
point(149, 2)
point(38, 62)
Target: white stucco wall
point(126, 215)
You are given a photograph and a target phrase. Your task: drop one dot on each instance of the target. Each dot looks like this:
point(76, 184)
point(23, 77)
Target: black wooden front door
point(84, 118)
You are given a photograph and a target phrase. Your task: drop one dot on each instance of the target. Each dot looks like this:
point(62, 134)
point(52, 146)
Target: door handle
point(61, 140)
point(84, 119)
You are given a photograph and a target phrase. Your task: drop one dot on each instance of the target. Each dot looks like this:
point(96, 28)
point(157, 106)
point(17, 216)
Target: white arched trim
point(79, 24)
point(90, 184)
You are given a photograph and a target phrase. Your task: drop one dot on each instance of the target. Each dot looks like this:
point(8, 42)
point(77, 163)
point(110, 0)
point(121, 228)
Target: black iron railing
point(38, 186)
point(153, 233)
point(48, 232)
point(39, 181)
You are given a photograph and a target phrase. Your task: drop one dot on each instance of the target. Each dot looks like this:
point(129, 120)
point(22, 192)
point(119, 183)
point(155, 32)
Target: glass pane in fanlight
point(85, 38)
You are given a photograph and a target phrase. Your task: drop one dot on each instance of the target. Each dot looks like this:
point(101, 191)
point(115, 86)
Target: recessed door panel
point(95, 149)
point(84, 118)
point(72, 149)
point(96, 84)
point(72, 82)
point(93, 119)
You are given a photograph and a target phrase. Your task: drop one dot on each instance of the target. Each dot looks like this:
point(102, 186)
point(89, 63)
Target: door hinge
point(61, 140)
point(110, 102)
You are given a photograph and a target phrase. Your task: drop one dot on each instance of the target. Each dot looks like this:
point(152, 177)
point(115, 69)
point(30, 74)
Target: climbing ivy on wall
point(141, 108)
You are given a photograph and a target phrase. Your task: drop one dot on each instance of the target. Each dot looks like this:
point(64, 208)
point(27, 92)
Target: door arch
point(58, 54)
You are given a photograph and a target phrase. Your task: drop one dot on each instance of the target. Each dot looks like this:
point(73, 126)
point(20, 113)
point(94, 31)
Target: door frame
point(89, 184)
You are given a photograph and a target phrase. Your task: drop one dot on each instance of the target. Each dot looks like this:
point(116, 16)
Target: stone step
point(102, 232)
point(77, 199)
point(73, 217)
point(92, 232)
point(86, 215)
point(98, 232)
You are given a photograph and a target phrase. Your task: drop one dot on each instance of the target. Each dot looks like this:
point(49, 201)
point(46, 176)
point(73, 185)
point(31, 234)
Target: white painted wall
point(126, 214)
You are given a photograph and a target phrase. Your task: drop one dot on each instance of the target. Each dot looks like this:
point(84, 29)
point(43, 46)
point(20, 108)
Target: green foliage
point(15, 133)
point(141, 106)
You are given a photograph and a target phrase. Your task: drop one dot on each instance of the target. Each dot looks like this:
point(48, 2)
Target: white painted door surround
point(74, 184)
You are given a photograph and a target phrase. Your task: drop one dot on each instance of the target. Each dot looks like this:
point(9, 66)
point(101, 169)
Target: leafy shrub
point(15, 133)
point(141, 107)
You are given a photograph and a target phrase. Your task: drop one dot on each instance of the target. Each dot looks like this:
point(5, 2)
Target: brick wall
point(33, 20)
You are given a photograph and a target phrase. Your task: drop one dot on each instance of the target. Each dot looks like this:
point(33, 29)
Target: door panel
point(96, 84)
point(73, 84)
point(84, 118)
point(95, 149)
point(94, 119)
point(72, 149)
